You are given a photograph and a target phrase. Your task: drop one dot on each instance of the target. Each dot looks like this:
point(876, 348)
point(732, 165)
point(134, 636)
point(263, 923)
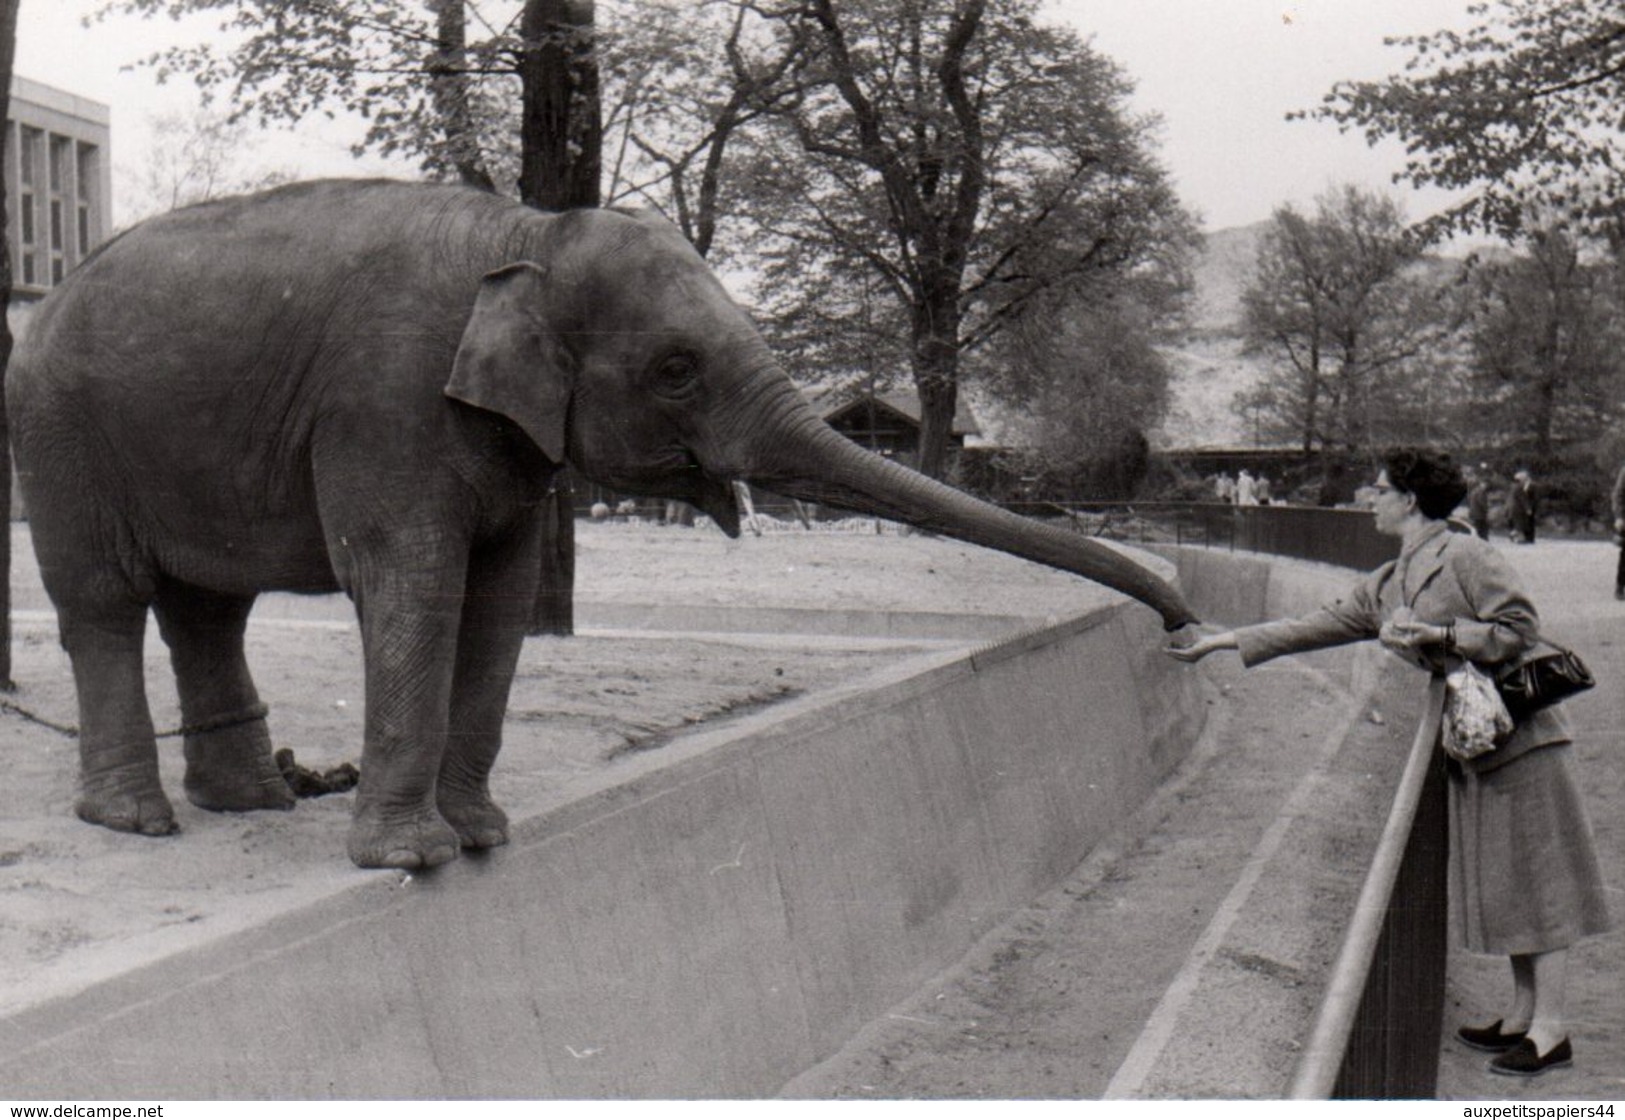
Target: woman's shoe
point(1523, 1060)
point(1490, 1037)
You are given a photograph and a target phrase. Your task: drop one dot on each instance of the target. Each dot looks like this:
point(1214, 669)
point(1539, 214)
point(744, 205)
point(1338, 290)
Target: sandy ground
point(79, 902)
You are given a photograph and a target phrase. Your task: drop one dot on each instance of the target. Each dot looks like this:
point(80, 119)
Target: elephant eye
point(676, 375)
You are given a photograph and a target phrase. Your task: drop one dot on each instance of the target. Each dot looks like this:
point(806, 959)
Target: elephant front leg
point(496, 615)
point(119, 785)
point(409, 633)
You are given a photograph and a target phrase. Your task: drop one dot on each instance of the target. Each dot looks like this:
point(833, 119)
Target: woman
point(1524, 879)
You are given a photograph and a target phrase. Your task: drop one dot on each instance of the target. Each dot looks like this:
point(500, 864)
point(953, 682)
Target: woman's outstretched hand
point(1184, 648)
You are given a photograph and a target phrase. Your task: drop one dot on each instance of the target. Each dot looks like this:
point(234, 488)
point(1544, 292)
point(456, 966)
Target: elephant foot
point(415, 843)
point(476, 819)
point(143, 809)
point(230, 767)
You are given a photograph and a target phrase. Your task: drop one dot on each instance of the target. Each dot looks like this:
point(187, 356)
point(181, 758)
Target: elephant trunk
point(802, 457)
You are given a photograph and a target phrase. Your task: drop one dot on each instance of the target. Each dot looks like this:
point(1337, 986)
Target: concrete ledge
point(705, 924)
point(793, 620)
point(597, 615)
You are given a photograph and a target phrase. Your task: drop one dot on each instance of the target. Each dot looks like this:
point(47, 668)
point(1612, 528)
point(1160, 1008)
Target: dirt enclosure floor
point(79, 903)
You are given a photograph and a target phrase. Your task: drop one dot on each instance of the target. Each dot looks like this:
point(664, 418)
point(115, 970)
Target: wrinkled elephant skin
point(367, 386)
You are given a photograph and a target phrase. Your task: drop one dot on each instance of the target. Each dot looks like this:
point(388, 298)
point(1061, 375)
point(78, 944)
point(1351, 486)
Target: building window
point(30, 235)
point(85, 190)
point(58, 200)
point(30, 142)
point(28, 155)
point(59, 156)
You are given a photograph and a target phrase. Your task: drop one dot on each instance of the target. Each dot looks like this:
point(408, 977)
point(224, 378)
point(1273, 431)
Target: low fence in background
point(1330, 536)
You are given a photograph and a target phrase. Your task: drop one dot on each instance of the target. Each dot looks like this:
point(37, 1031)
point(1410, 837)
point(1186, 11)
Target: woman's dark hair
point(1430, 475)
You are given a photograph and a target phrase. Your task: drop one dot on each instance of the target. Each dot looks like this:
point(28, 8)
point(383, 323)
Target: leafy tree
point(407, 69)
point(1339, 303)
point(193, 158)
point(427, 89)
point(692, 81)
point(977, 163)
point(1095, 381)
point(1524, 104)
point(1548, 339)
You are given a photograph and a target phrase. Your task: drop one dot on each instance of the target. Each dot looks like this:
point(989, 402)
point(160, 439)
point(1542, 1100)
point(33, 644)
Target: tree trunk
point(554, 611)
point(1545, 418)
point(8, 54)
point(939, 399)
point(448, 88)
point(936, 379)
point(561, 132)
point(561, 141)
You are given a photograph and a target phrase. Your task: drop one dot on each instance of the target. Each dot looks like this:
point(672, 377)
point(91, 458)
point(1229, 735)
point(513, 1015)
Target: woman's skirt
point(1524, 876)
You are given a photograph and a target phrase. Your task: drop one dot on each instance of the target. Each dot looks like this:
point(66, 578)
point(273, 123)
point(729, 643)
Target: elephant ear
point(509, 360)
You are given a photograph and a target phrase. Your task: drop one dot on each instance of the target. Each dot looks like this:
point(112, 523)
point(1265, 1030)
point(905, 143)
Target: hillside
point(1208, 365)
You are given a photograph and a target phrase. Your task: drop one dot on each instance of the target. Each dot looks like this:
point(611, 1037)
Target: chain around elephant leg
point(230, 767)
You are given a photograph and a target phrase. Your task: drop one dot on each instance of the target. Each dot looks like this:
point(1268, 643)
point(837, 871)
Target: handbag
point(1475, 718)
point(1541, 679)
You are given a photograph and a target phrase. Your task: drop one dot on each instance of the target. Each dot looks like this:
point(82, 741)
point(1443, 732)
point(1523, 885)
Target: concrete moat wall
point(708, 926)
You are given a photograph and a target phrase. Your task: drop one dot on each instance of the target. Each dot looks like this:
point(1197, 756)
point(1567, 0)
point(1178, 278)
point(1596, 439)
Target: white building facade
point(59, 184)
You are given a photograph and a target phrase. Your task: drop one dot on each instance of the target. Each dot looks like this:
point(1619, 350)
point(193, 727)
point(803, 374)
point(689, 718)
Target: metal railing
point(1376, 1035)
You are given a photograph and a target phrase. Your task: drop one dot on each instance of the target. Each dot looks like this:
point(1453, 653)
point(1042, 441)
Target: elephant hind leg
point(229, 760)
point(119, 786)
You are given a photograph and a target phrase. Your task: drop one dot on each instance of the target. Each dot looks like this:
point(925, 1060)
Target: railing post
point(1393, 1050)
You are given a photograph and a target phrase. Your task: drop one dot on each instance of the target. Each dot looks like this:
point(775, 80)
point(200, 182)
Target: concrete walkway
point(1103, 987)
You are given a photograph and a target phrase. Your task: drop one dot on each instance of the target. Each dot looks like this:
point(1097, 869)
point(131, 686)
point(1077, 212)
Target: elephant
point(365, 386)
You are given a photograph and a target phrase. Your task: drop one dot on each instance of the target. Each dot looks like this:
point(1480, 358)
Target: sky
point(1222, 75)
